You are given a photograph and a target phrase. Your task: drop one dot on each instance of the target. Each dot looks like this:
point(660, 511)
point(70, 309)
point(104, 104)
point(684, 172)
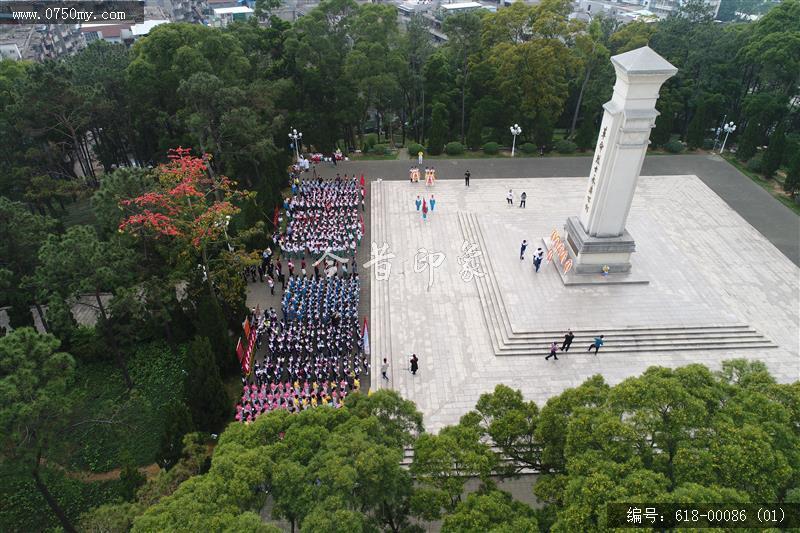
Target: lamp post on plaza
point(515, 130)
point(728, 128)
point(297, 138)
point(717, 131)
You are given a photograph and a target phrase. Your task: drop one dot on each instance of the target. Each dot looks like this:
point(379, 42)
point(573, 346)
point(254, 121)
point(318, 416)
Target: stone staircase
point(507, 341)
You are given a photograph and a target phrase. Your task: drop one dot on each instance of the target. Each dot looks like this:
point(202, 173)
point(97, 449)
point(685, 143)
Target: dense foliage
point(668, 435)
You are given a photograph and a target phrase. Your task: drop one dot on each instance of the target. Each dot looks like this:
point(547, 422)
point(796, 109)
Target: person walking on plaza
point(414, 364)
point(419, 158)
point(598, 342)
point(553, 348)
point(418, 202)
point(510, 197)
point(522, 198)
point(271, 284)
point(537, 259)
point(290, 266)
point(567, 341)
point(424, 210)
point(433, 203)
point(385, 369)
point(466, 178)
point(522, 248)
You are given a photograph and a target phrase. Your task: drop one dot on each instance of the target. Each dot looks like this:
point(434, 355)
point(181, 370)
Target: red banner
point(246, 328)
point(362, 180)
point(240, 350)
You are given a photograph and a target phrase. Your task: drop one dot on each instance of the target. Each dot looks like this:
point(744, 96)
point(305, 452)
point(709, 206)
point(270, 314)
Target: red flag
point(362, 180)
point(240, 350)
point(246, 328)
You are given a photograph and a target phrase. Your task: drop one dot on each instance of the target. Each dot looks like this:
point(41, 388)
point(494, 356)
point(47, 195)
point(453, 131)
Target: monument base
point(590, 254)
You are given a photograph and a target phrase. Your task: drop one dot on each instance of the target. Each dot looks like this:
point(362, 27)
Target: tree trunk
point(580, 99)
point(45, 325)
point(48, 497)
point(117, 354)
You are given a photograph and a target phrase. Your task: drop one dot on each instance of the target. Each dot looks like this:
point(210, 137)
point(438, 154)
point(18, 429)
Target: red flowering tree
point(190, 207)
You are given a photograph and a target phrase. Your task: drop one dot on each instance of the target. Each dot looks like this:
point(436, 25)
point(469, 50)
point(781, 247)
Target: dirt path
point(149, 471)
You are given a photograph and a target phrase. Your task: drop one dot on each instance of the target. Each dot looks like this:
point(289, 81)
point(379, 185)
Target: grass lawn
point(771, 186)
point(136, 428)
point(372, 157)
point(24, 508)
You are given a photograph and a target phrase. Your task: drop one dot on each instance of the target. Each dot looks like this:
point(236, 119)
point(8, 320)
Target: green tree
point(122, 184)
point(35, 404)
point(79, 264)
point(443, 463)
point(792, 183)
point(439, 129)
point(208, 401)
point(491, 511)
point(463, 39)
point(510, 422)
point(774, 153)
point(21, 234)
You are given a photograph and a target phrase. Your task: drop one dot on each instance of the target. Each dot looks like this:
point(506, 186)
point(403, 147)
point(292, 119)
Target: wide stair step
point(630, 339)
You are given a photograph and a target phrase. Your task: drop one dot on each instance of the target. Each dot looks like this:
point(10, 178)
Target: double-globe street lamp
point(515, 130)
point(296, 138)
point(728, 128)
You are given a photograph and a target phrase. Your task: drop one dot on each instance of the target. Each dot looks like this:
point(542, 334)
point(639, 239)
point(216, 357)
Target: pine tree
point(474, 137)
point(211, 324)
point(586, 136)
point(774, 154)
point(205, 393)
point(748, 143)
point(439, 129)
point(697, 129)
point(792, 183)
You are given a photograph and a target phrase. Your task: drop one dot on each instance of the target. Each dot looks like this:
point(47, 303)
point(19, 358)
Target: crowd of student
point(323, 216)
point(312, 352)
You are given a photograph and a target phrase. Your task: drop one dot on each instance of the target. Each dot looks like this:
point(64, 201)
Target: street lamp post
point(297, 138)
point(717, 131)
point(515, 130)
point(728, 128)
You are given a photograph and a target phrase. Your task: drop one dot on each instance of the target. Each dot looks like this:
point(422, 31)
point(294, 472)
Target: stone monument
point(597, 237)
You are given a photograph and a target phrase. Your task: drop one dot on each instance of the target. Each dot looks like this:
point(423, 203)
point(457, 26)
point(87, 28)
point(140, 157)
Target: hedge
point(755, 163)
point(414, 149)
point(491, 148)
point(527, 148)
point(674, 147)
point(454, 148)
point(370, 140)
point(381, 149)
point(565, 147)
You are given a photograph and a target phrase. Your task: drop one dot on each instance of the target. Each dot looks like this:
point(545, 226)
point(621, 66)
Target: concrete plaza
point(718, 289)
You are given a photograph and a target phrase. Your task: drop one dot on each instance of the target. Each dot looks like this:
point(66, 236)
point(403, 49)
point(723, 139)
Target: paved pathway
point(706, 265)
point(774, 220)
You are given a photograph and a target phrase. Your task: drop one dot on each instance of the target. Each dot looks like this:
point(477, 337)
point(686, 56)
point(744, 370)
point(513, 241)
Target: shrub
point(565, 147)
point(381, 149)
point(491, 148)
point(755, 163)
point(369, 140)
point(527, 148)
point(674, 146)
point(414, 149)
point(708, 144)
point(454, 148)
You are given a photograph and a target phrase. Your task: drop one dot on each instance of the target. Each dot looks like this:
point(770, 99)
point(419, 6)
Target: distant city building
point(223, 16)
point(38, 42)
point(10, 51)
